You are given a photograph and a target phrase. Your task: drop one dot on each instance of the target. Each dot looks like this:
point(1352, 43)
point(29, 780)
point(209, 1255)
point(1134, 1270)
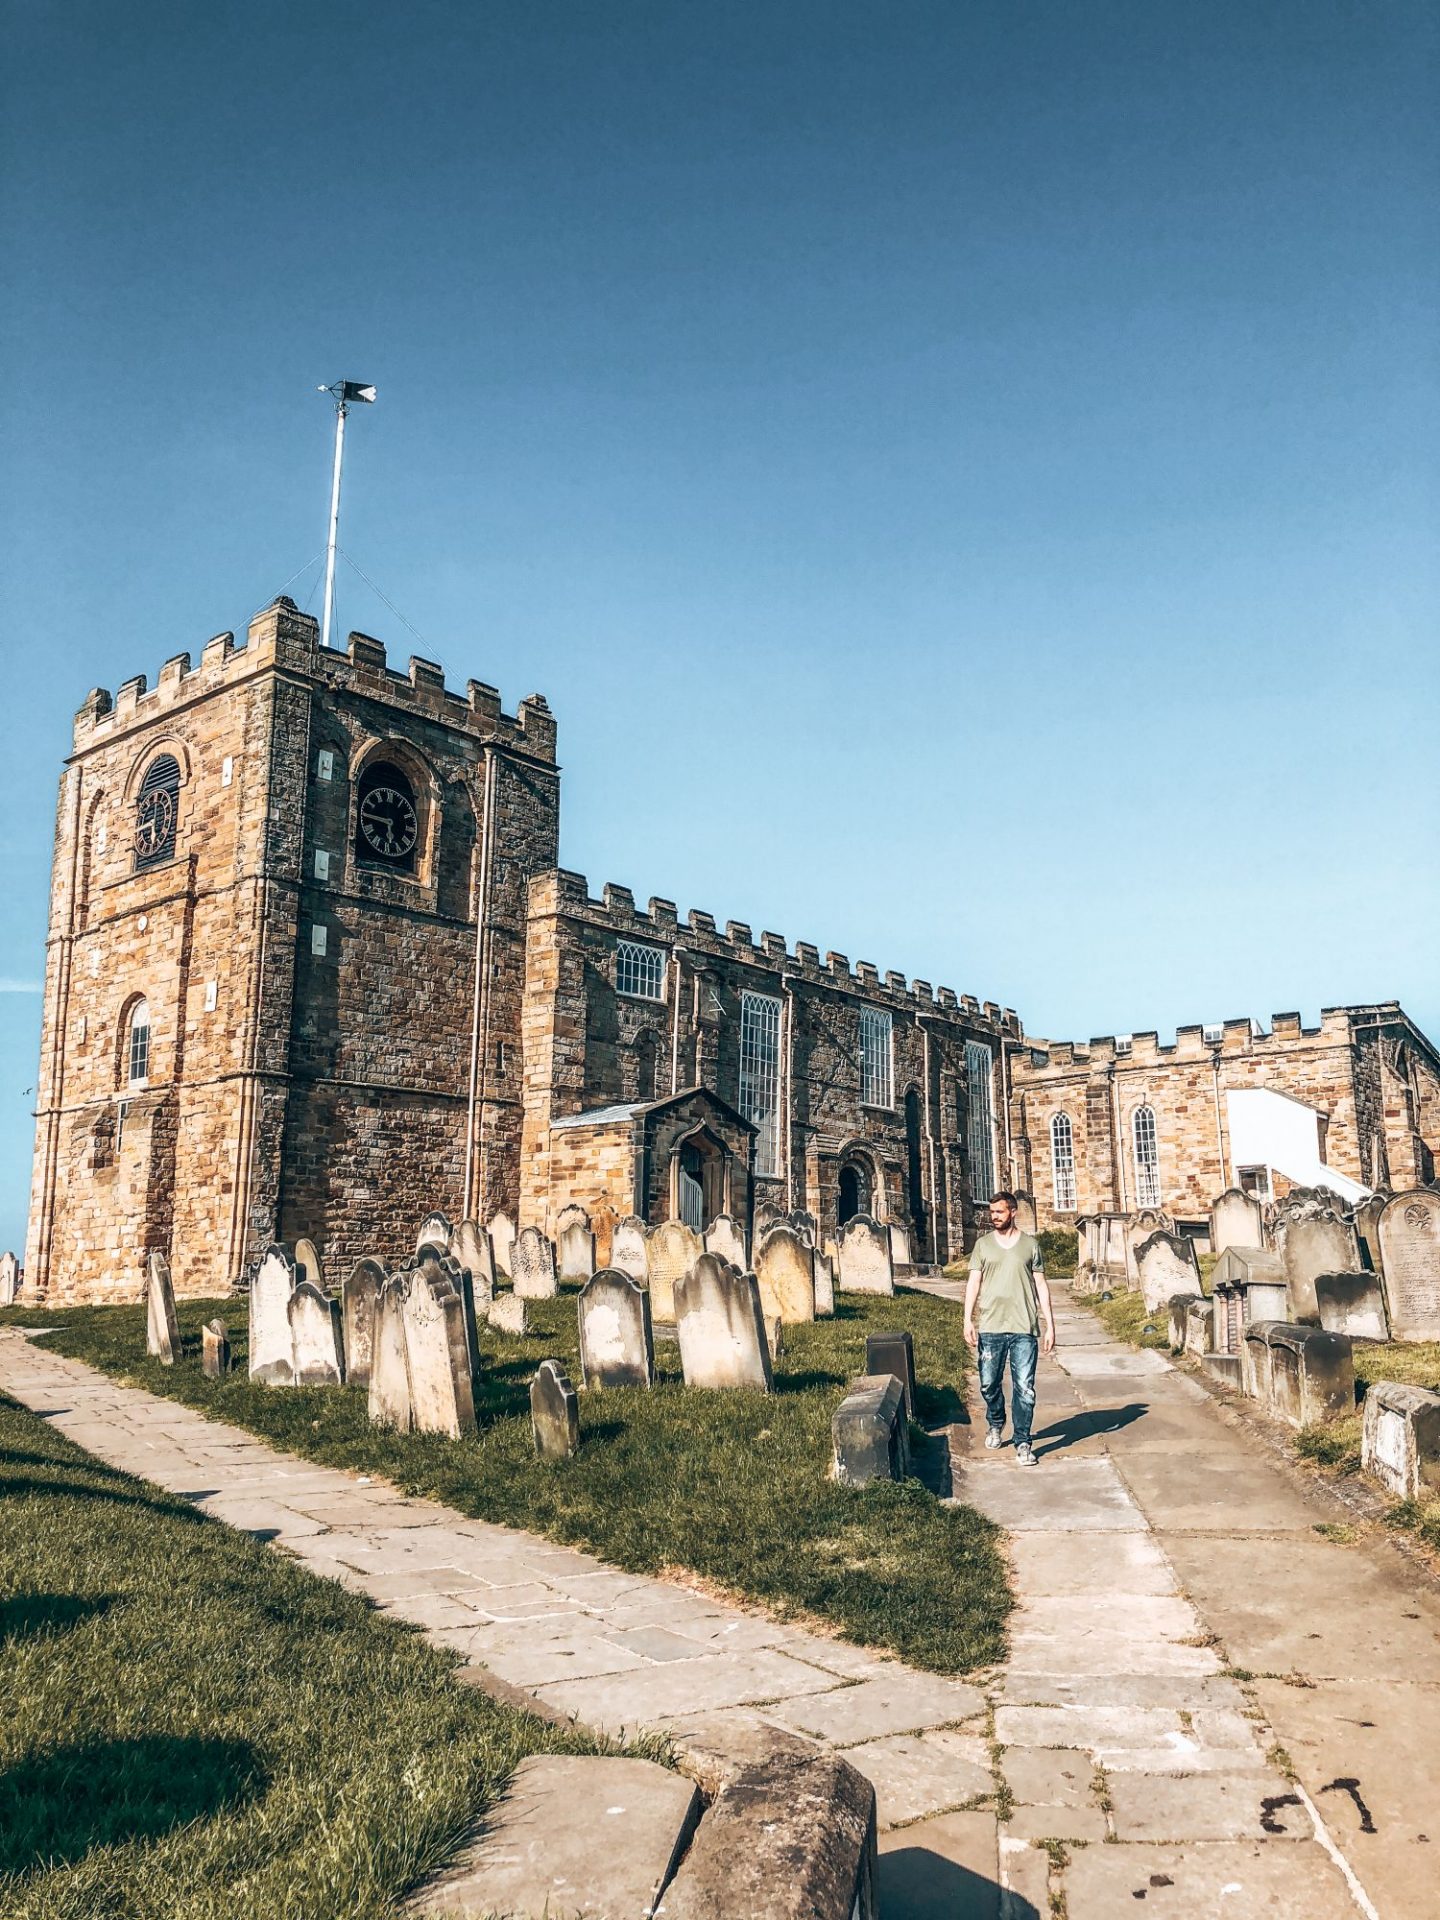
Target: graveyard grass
point(1125, 1316)
point(193, 1726)
point(732, 1486)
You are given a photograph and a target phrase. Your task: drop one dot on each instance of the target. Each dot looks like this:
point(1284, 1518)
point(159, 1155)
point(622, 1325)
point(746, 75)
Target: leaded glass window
point(1147, 1158)
point(876, 1088)
point(978, 1071)
point(1062, 1162)
point(760, 1077)
point(639, 970)
point(137, 1044)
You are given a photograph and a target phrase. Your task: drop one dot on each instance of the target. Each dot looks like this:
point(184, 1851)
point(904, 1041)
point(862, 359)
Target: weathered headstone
point(316, 1341)
point(868, 1433)
point(446, 1266)
point(722, 1332)
point(1198, 1326)
point(785, 1273)
point(1409, 1235)
point(1247, 1284)
point(359, 1306)
point(571, 1215)
point(441, 1390)
point(774, 1335)
point(577, 1251)
point(162, 1329)
point(1352, 1303)
point(764, 1216)
point(1312, 1375)
point(1300, 1203)
point(502, 1240)
point(1316, 1243)
point(434, 1232)
point(1178, 1311)
point(630, 1249)
point(725, 1237)
point(824, 1286)
point(389, 1397)
point(307, 1264)
point(617, 1342)
point(554, 1413)
point(532, 1265)
point(866, 1265)
point(602, 1225)
point(214, 1350)
point(470, 1248)
point(1256, 1372)
point(506, 1314)
point(271, 1354)
point(805, 1224)
point(673, 1250)
point(1236, 1220)
point(1138, 1227)
point(900, 1247)
point(10, 1271)
point(1025, 1216)
point(1165, 1264)
point(894, 1353)
point(1367, 1228)
point(1400, 1439)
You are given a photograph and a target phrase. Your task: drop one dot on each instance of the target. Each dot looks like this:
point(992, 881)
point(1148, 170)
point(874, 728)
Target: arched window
point(1147, 1158)
point(387, 822)
point(854, 1192)
point(157, 812)
point(135, 1067)
point(1062, 1162)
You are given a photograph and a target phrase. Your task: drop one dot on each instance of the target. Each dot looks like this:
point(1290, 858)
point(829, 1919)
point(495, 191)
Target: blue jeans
point(1023, 1352)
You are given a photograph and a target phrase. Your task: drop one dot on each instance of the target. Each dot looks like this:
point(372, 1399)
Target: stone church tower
point(285, 963)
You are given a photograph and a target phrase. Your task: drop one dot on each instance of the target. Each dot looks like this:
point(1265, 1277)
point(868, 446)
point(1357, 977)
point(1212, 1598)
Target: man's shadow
point(1084, 1426)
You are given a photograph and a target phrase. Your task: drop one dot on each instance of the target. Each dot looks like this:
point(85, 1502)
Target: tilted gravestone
point(502, 1240)
point(630, 1249)
point(577, 1251)
point(893, 1353)
point(506, 1314)
point(1136, 1229)
point(617, 1341)
point(215, 1350)
point(316, 1340)
point(271, 1353)
point(439, 1265)
point(532, 1265)
point(724, 1236)
point(307, 1264)
point(434, 1232)
point(554, 1413)
point(1300, 1203)
point(571, 1215)
point(359, 1305)
point(824, 1286)
point(785, 1273)
point(1165, 1265)
point(1318, 1242)
point(868, 1434)
point(673, 1249)
point(470, 1248)
point(1236, 1220)
point(1367, 1228)
point(1199, 1332)
point(1400, 1438)
point(1409, 1235)
point(162, 1329)
point(389, 1399)
point(866, 1265)
point(10, 1271)
point(438, 1351)
point(1352, 1303)
point(721, 1329)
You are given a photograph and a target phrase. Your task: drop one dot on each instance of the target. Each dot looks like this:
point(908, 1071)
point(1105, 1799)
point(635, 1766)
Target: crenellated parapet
point(1220, 1039)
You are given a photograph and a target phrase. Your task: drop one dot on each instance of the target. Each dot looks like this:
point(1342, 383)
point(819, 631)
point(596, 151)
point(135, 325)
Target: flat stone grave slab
point(902, 1702)
point(680, 1688)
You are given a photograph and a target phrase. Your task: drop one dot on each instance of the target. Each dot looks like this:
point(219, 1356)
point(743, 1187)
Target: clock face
point(387, 823)
point(154, 821)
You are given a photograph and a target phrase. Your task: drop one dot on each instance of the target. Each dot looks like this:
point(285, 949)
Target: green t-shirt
point(1007, 1284)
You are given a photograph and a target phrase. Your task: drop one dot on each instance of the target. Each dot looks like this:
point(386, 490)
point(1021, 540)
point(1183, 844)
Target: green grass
point(1124, 1315)
point(1061, 1249)
point(1420, 1517)
point(192, 1726)
point(1335, 1445)
point(1207, 1263)
point(733, 1487)
point(1415, 1362)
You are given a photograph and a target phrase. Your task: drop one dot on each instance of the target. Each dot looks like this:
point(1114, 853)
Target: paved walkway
point(1159, 1557)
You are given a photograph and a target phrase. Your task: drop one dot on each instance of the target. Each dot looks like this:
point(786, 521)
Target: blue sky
point(964, 475)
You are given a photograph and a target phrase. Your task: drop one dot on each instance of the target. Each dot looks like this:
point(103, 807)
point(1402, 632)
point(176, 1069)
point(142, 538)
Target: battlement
point(568, 895)
point(1222, 1038)
point(282, 639)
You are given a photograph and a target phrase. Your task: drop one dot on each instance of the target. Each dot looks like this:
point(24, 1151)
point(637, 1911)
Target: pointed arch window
point(1062, 1162)
point(1147, 1158)
point(137, 1045)
point(157, 812)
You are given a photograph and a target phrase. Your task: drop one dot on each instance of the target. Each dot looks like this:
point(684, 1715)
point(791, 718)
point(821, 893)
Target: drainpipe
point(788, 1118)
point(924, 1027)
point(1005, 1095)
point(1117, 1144)
point(1219, 1129)
point(675, 958)
point(477, 1050)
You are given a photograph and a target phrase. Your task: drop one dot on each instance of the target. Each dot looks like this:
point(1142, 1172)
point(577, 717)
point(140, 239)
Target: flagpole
point(340, 411)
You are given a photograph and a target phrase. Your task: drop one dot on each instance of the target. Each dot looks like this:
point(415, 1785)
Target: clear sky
point(964, 475)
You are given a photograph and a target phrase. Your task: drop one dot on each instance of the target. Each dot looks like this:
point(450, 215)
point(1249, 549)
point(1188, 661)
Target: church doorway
point(854, 1192)
point(698, 1181)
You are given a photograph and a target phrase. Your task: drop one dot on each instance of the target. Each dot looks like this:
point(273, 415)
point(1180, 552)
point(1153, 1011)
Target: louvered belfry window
point(157, 812)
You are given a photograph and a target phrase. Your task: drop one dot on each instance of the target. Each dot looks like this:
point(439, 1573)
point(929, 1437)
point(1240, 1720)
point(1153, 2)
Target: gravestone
point(571, 1215)
point(868, 1434)
point(389, 1397)
point(1138, 1227)
point(673, 1250)
point(434, 1232)
point(10, 1271)
point(316, 1341)
point(1165, 1265)
point(506, 1314)
point(438, 1350)
point(1400, 1439)
point(271, 1354)
point(893, 1353)
point(1108, 1254)
point(532, 1265)
point(630, 1249)
point(577, 1251)
point(162, 1329)
point(215, 1350)
point(721, 1330)
point(446, 1266)
point(307, 1264)
point(1409, 1235)
point(554, 1413)
point(359, 1305)
point(1025, 1215)
point(1199, 1316)
point(470, 1249)
point(866, 1265)
point(617, 1341)
point(1247, 1284)
point(1236, 1220)
point(785, 1274)
point(1317, 1242)
point(1312, 1375)
point(1352, 1303)
point(502, 1240)
point(1367, 1228)
point(725, 1237)
point(806, 1225)
point(900, 1247)
point(764, 1216)
point(602, 1225)
point(1301, 1203)
point(824, 1286)
point(774, 1335)
point(1178, 1311)
point(1256, 1373)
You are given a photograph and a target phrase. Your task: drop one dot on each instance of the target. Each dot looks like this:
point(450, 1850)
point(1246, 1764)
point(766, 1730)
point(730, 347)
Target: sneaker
point(992, 1436)
point(1025, 1455)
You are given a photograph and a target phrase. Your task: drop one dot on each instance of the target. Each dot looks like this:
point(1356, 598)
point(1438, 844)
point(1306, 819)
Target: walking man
point(1007, 1283)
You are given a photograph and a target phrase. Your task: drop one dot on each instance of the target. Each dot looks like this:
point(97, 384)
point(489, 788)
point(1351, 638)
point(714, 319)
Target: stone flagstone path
point(1155, 1544)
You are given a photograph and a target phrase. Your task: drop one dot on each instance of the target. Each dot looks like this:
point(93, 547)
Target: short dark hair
point(1007, 1196)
